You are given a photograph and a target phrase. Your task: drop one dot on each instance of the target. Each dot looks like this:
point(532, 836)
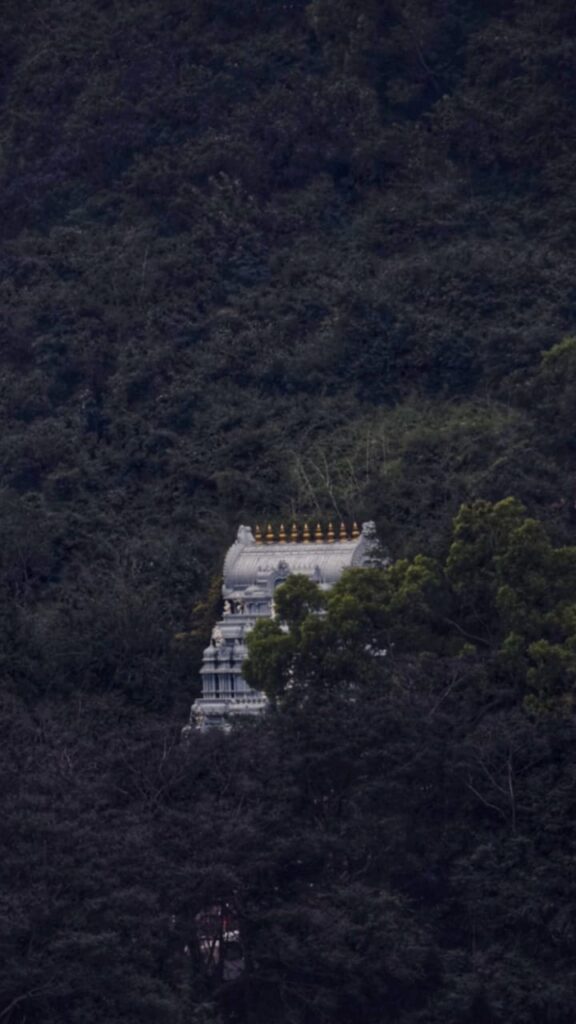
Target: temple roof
point(260, 566)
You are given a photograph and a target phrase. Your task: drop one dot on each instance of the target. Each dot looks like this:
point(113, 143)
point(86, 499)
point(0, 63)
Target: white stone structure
point(252, 570)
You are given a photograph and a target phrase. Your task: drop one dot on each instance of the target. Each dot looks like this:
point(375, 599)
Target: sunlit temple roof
point(253, 560)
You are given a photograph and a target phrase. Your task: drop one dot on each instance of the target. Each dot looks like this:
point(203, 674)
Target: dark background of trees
point(275, 258)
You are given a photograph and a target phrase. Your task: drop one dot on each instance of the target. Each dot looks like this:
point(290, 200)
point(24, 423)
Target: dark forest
point(288, 259)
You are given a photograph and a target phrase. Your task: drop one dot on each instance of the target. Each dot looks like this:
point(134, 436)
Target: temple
point(254, 566)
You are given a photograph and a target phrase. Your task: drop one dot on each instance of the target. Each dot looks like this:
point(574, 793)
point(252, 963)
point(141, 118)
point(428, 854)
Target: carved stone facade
point(252, 570)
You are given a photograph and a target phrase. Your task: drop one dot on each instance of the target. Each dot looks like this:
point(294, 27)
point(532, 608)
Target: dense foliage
point(288, 257)
point(503, 595)
point(395, 844)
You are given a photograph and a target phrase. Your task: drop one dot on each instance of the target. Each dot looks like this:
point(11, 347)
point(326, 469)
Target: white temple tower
point(253, 568)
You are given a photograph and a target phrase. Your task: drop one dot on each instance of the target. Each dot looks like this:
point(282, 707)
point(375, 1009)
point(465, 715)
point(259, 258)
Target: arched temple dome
point(248, 562)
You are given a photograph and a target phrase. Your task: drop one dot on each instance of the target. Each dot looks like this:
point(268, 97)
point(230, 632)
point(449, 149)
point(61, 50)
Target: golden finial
point(294, 534)
point(330, 535)
point(343, 534)
point(318, 538)
point(269, 534)
point(282, 534)
point(258, 534)
point(306, 534)
point(355, 531)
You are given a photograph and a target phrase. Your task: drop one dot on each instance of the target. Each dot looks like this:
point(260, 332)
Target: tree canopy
point(503, 594)
point(301, 258)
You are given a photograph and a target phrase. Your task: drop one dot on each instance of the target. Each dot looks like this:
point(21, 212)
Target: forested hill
point(299, 258)
point(288, 259)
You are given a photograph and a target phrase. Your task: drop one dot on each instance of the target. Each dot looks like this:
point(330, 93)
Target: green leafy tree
point(296, 599)
point(269, 665)
point(504, 594)
point(554, 392)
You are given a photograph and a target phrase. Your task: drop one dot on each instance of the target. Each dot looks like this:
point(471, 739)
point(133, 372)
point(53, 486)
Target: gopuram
point(254, 566)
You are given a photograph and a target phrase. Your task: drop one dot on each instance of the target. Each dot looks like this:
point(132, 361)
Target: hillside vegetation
point(275, 258)
point(288, 259)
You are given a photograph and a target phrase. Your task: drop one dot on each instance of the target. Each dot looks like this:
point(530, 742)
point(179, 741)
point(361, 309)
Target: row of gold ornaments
point(306, 538)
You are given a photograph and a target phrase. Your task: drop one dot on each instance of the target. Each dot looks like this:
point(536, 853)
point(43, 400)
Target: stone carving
point(245, 535)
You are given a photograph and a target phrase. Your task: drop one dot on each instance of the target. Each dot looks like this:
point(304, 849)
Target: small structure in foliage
point(254, 566)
